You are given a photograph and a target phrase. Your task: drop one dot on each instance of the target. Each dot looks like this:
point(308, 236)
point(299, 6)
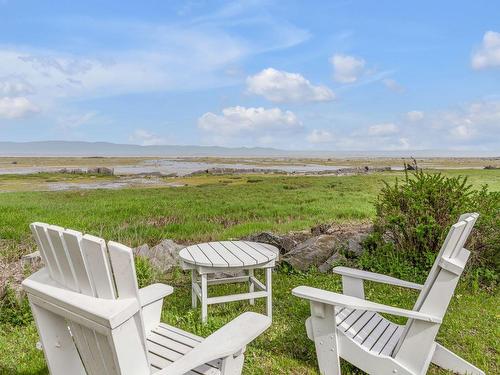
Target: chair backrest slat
point(95, 253)
point(46, 248)
point(122, 263)
point(55, 235)
point(73, 240)
point(39, 247)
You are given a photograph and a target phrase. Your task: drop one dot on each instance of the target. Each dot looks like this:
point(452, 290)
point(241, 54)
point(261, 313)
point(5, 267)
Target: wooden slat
point(158, 363)
point(73, 239)
point(392, 342)
point(85, 340)
point(172, 343)
point(237, 252)
point(270, 251)
point(455, 236)
point(179, 335)
point(344, 315)
point(186, 255)
point(368, 328)
point(359, 324)
point(107, 356)
point(257, 254)
point(81, 344)
point(470, 221)
point(198, 256)
point(55, 236)
point(351, 319)
point(122, 264)
point(123, 267)
point(384, 339)
point(40, 248)
point(41, 230)
point(94, 250)
point(164, 348)
point(371, 339)
point(232, 260)
point(215, 258)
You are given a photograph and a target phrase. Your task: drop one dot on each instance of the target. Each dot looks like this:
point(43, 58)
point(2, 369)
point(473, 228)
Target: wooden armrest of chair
point(153, 293)
point(372, 276)
point(331, 298)
point(228, 340)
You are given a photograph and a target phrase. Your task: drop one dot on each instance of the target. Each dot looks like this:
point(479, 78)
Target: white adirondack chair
point(348, 326)
point(92, 318)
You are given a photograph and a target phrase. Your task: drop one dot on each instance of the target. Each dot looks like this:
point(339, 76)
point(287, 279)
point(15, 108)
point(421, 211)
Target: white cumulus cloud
point(488, 54)
point(280, 86)
point(235, 121)
point(347, 69)
point(319, 136)
point(16, 107)
point(383, 129)
point(414, 116)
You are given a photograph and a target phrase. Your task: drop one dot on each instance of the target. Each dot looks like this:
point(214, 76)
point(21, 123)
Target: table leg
point(194, 296)
point(251, 287)
point(204, 296)
point(269, 289)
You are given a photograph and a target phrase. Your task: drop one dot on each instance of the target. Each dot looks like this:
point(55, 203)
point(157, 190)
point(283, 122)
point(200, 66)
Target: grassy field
point(230, 207)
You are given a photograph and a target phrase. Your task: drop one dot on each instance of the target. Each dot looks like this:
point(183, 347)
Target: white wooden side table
point(209, 258)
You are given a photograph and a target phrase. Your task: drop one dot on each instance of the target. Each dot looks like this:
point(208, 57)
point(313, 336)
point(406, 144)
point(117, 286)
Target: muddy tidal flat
point(75, 173)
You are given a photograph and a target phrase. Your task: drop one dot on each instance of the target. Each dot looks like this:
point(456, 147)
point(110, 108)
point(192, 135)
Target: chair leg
point(233, 365)
point(251, 286)
point(58, 346)
point(323, 331)
point(448, 360)
point(204, 296)
point(269, 290)
point(194, 297)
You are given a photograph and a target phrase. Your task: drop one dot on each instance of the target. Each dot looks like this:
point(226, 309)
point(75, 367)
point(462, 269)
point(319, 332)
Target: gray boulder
point(283, 243)
point(332, 244)
point(331, 262)
point(314, 251)
point(163, 256)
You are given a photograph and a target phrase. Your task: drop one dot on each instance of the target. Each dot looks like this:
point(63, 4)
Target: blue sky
point(326, 75)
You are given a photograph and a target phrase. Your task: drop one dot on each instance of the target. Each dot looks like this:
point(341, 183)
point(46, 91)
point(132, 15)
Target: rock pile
point(97, 170)
point(323, 246)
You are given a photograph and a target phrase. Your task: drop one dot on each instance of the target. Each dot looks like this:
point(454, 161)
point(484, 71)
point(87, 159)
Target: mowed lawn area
point(224, 207)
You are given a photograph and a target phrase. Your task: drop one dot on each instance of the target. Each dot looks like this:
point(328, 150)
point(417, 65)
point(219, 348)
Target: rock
point(163, 256)
point(331, 262)
point(491, 167)
point(330, 244)
point(31, 259)
point(320, 229)
point(314, 251)
point(101, 170)
point(283, 243)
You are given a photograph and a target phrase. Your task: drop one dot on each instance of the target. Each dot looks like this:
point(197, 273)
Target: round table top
point(229, 254)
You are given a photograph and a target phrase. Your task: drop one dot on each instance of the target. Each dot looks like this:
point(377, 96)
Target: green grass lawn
point(229, 207)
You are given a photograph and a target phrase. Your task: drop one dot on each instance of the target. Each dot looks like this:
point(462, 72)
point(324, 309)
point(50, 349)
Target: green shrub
point(414, 216)
point(146, 274)
point(14, 309)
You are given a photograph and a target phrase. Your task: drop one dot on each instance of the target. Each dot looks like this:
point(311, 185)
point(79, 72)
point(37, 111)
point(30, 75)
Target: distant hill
point(70, 148)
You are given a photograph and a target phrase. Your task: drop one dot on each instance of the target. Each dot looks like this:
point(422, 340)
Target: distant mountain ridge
point(77, 148)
